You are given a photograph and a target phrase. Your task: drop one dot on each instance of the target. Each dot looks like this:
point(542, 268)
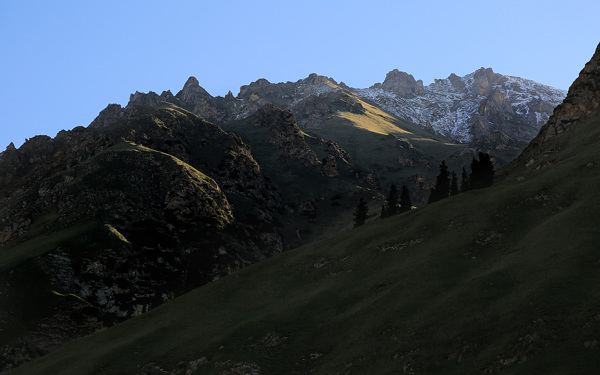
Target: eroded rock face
point(402, 84)
point(582, 101)
point(330, 167)
point(287, 136)
point(335, 156)
point(112, 113)
point(199, 101)
point(484, 80)
point(262, 88)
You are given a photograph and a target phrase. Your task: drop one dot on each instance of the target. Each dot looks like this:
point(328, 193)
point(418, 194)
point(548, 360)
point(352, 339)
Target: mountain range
point(481, 107)
point(154, 200)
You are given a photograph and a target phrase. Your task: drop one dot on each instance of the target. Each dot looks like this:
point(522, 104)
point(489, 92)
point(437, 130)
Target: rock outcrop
point(582, 101)
point(286, 135)
point(402, 84)
point(336, 158)
point(199, 101)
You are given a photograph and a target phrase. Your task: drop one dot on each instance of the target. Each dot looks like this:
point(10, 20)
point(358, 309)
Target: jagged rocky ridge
point(483, 107)
point(470, 109)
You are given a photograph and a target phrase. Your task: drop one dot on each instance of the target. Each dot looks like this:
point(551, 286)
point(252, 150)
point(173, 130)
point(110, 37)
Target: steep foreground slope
point(447, 289)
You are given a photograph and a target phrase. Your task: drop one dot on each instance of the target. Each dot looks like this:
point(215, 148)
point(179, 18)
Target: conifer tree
point(464, 181)
point(392, 201)
point(482, 172)
point(442, 185)
point(454, 184)
point(405, 201)
point(360, 214)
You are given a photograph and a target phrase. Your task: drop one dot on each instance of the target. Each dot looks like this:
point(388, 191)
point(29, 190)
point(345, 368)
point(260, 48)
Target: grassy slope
point(366, 138)
point(450, 288)
point(39, 241)
point(35, 300)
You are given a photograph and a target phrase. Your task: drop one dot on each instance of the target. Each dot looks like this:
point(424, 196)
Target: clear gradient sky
point(62, 62)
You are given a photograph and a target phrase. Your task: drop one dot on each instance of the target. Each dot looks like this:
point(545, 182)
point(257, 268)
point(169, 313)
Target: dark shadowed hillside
point(497, 280)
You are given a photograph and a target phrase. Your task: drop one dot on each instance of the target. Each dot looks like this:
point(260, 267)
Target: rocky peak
point(484, 79)
point(110, 114)
point(256, 90)
point(192, 91)
point(456, 82)
point(582, 102)
point(194, 98)
point(315, 79)
point(148, 99)
point(344, 86)
point(141, 98)
point(402, 84)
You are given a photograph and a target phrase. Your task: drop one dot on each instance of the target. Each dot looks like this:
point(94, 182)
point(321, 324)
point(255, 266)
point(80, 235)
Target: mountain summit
point(470, 109)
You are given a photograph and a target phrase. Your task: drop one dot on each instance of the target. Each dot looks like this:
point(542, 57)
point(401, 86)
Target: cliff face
point(582, 101)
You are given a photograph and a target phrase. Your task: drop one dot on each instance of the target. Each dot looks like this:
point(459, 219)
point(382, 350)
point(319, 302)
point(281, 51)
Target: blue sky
point(63, 61)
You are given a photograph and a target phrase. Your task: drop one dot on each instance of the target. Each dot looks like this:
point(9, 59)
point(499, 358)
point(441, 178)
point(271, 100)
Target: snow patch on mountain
point(451, 106)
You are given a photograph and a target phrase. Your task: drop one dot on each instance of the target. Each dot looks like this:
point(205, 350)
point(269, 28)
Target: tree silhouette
point(464, 181)
point(391, 203)
point(405, 201)
point(360, 214)
point(442, 185)
point(454, 184)
point(482, 172)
